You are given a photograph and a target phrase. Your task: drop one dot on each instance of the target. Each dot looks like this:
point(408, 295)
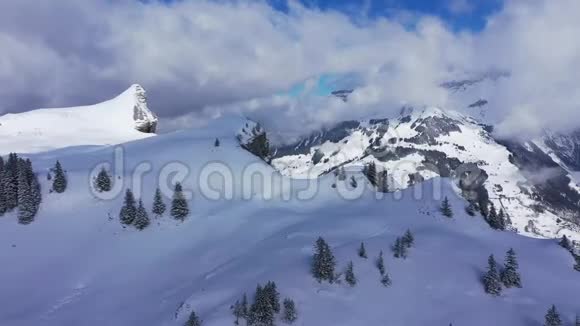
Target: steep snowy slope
point(76, 266)
point(422, 144)
point(119, 120)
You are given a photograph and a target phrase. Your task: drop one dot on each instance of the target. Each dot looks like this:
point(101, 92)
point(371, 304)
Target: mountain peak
point(124, 118)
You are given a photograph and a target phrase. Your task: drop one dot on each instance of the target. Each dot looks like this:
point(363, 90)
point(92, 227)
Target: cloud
point(202, 59)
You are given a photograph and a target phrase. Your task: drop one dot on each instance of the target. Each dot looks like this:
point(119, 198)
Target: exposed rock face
point(145, 120)
point(253, 138)
point(566, 147)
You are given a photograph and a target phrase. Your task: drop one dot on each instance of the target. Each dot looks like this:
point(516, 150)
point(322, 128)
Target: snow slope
point(112, 122)
point(74, 266)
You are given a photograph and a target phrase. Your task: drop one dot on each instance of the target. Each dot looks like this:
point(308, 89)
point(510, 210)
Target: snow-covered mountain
point(539, 196)
point(77, 265)
point(122, 119)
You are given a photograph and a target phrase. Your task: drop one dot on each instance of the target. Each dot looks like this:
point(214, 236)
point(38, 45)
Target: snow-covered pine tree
point(35, 193)
point(216, 143)
point(470, 209)
point(159, 206)
point(103, 181)
point(386, 280)
point(59, 183)
point(141, 217)
point(408, 239)
point(445, 208)
point(179, 207)
point(399, 248)
point(577, 320)
point(493, 219)
point(273, 296)
point(323, 262)
point(501, 223)
point(565, 243)
point(381, 263)
point(510, 276)
point(491, 280)
point(362, 252)
point(261, 312)
point(26, 207)
point(193, 320)
point(10, 181)
point(290, 313)
point(2, 195)
point(237, 312)
point(553, 317)
point(349, 276)
point(128, 211)
point(244, 306)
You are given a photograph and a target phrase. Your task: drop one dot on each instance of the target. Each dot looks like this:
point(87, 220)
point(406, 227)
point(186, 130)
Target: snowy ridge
point(422, 144)
point(122, 119)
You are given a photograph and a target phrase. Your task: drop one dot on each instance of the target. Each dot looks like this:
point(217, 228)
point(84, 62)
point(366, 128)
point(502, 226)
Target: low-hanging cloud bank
point(201, 59)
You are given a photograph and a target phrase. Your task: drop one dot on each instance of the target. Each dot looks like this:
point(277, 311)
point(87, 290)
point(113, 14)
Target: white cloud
point(199, 59)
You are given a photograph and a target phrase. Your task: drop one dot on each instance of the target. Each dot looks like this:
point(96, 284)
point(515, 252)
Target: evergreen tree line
point(403, 244)
point(264, 308)
point(324, 263)
point(133, 212)
point(19, 188)
point(509, 276)
point(496, 220)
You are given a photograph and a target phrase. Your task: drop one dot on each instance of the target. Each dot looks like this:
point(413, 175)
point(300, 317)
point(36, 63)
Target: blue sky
point(459, 14)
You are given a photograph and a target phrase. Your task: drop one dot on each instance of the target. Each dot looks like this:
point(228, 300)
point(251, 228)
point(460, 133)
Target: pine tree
point(10, 182)
point(470, 209)
point(386, 280)
point(565, 243)
point(290, 313)
point(381, 263)
point(341, 174)
point(103, 181)
point(362, 252)
point(510, 276)
point(128, 211)
point(3, 207)
point(244, 307)
point(446, 208)
point(494, 220)
point(236, 310)
point(323, 262)
point(179, 207)
point(141, 217)
point(501, 223)
point(273, 296)
point(349, 275)
point(399, 249)
point(370, 171)
point(159, 206)
point(193, 320)
point(261, 312)
point(553, 317)
point(26, 209)
point(216, 143)
point(577, 320)
point(60, 183)
point(408, 239)
point(35, 194)
point(491, 281)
